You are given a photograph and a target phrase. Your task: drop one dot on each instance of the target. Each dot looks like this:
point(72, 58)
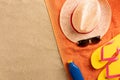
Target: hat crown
point(86, 16)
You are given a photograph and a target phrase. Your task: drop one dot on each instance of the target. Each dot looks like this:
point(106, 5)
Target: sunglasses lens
point(95, 40)
point(83, 43)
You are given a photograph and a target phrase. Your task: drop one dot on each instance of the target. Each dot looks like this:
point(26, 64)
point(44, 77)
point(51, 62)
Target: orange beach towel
point(68, 50)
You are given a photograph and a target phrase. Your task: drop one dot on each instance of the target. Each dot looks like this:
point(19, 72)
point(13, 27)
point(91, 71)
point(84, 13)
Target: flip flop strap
point(110, 76)
point(113, 58)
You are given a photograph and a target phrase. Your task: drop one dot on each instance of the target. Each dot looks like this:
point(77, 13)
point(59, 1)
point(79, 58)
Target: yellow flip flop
point(101, 56)
point(102, 76)
point(112, 71)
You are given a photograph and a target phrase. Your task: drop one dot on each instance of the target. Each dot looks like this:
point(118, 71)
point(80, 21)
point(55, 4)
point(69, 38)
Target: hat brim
point(65, 16)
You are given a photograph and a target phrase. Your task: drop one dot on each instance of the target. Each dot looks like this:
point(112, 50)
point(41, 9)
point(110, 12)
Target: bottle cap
point(70, 61)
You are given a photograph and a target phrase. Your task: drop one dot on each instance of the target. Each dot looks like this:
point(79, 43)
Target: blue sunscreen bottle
point(74, 71)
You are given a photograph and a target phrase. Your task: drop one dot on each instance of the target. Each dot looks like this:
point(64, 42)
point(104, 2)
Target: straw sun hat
point(83, 19)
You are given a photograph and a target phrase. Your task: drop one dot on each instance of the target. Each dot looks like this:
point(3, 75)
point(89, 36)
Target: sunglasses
point(85, 42)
